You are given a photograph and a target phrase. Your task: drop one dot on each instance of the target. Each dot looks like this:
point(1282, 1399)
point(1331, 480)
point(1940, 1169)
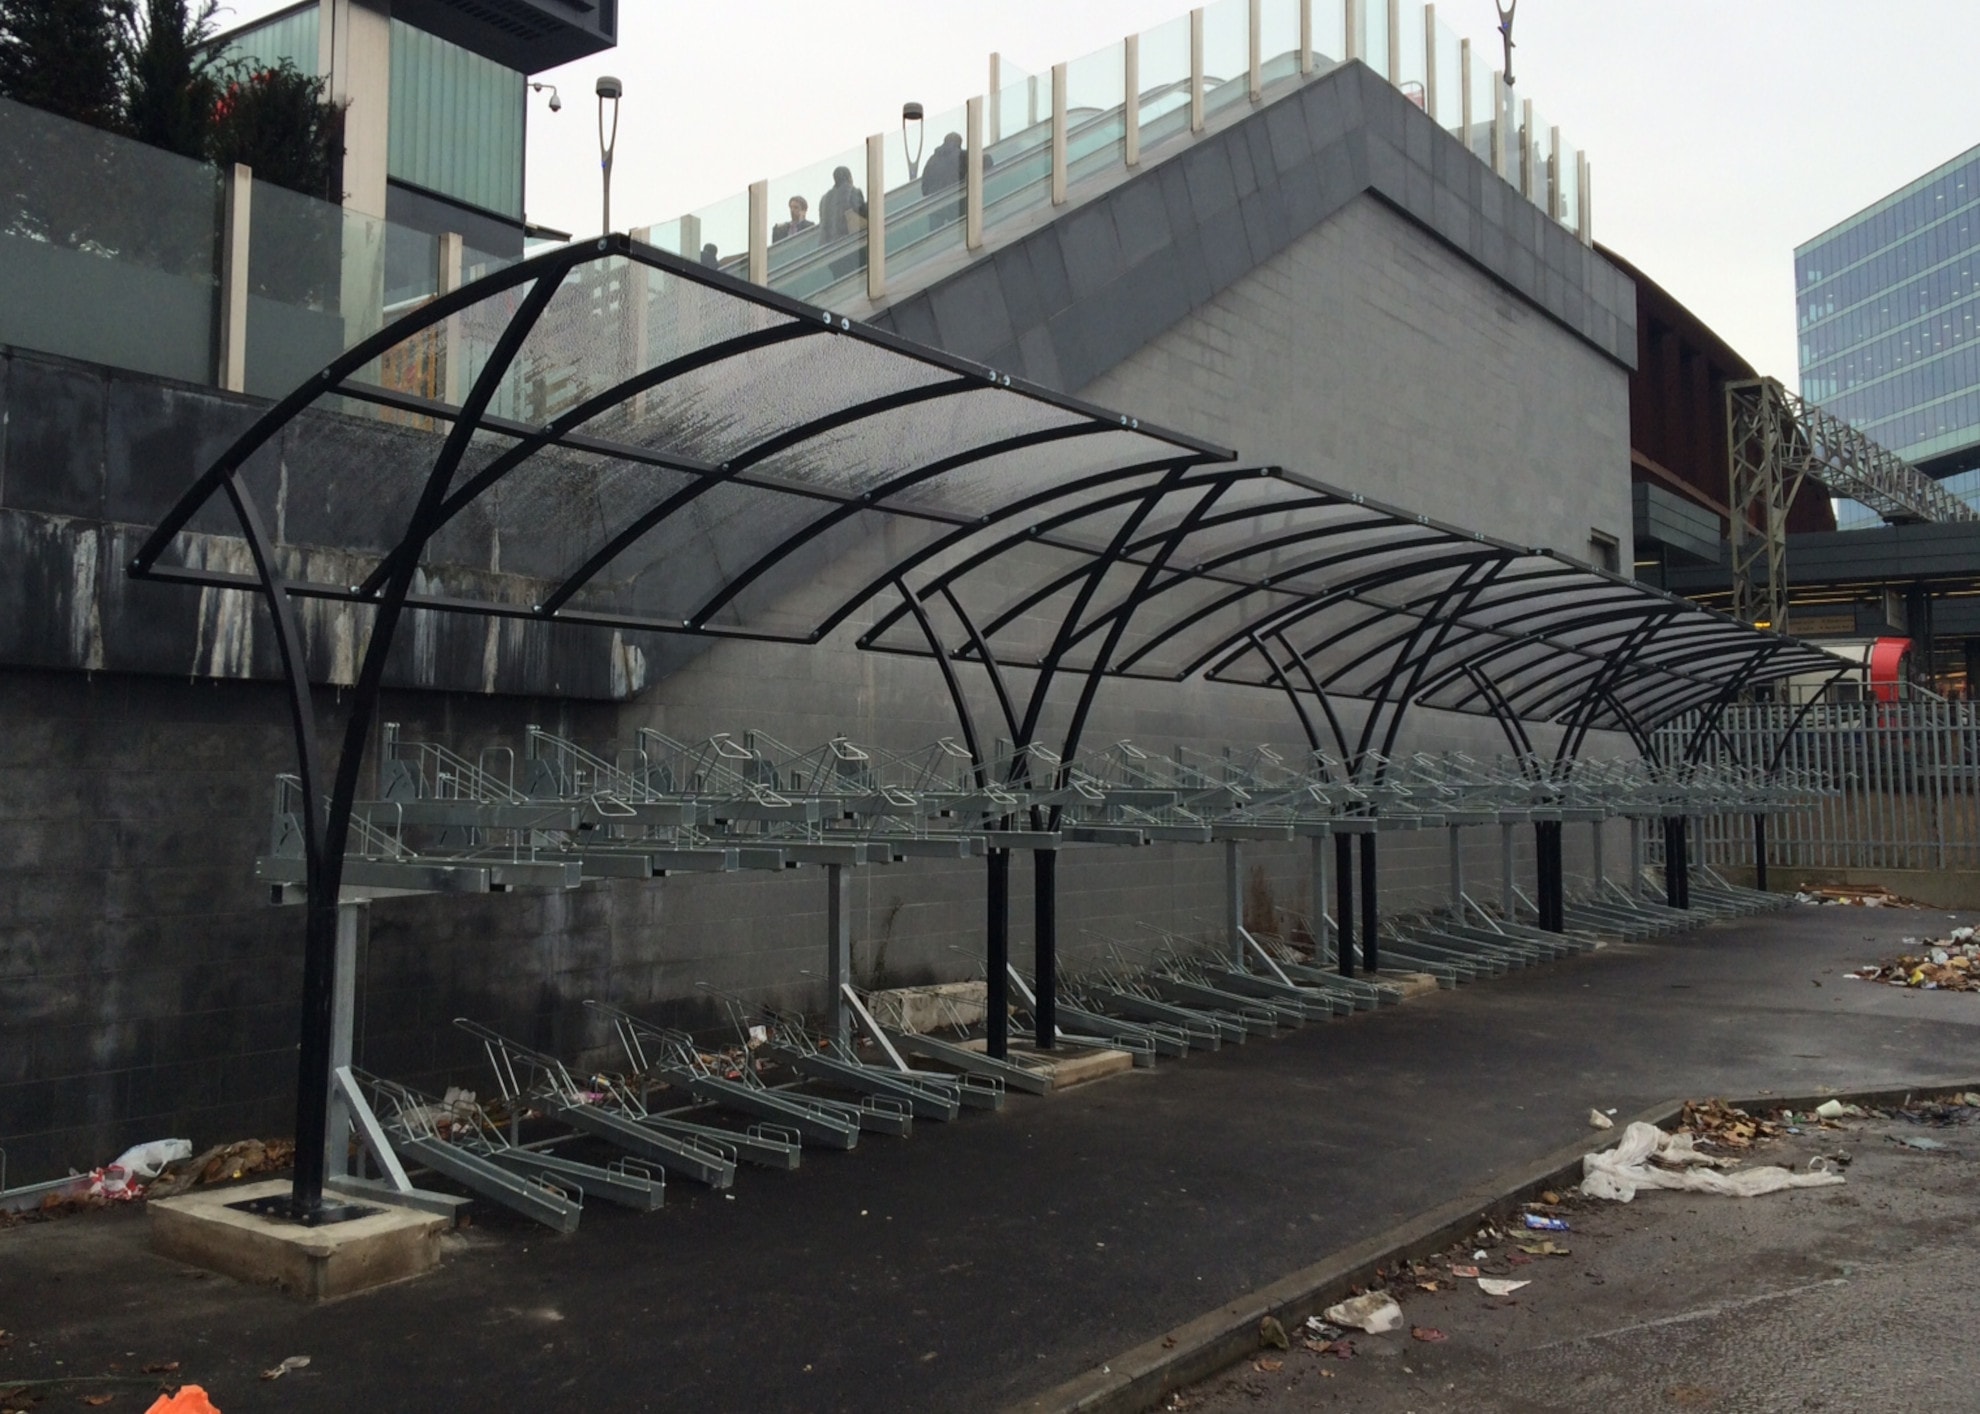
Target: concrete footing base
point(1066, 1065)
point(311, 1262)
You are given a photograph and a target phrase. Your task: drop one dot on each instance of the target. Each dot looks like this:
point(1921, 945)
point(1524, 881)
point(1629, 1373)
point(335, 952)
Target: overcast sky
point(1722, 132)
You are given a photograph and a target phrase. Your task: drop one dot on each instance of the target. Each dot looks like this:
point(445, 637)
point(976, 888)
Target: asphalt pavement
point(980, 1262)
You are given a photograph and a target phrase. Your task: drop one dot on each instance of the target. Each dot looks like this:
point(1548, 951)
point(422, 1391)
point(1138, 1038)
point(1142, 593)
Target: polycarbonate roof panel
point(629, 439)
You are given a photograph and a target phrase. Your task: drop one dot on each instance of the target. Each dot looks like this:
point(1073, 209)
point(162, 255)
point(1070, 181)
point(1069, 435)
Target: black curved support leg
point(1344, 903)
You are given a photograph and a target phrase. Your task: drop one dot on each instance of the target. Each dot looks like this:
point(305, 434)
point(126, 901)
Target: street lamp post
point(610, 89)
point(911, 113)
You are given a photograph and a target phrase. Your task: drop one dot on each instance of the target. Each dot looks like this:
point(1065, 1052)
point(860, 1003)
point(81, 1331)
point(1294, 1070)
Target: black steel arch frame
point(1135, 480)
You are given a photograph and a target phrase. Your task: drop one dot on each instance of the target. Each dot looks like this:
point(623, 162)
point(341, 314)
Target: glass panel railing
point(316, 286)
point(1278, 41)
point(926, 202)
point(1020, 100)
point(1017, 163)
point(1538, 155)
point(1372, 16)
point(1329, 33)
point(1226, 54)
point(1412, 62)
point(805, 256)
point(1096, 126)
point(1448, 54)
point(108, 248)
point(1164, 82)
point(719, 235)
point(1570, 187)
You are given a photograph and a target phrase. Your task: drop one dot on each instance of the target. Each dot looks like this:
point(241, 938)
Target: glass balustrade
point(1226, 54)
point(1448, 54)
point(1412, 57)
point(822, 242)
point(1096, 113)
point(95, 228)
point(926, 192)
point(1372, 21)
point(1278, 41)
point(1164, 83)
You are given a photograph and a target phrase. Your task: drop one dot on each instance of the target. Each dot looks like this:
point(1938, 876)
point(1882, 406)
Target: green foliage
point(65, 56)
point(171, 86)
point(278, 121)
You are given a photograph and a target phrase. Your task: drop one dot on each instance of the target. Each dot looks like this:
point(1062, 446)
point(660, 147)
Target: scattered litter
point(1317, 1327)
point(1430, 1335)
point(1339, 1349)
point(1919, 1141)
point(1463, 1272)
point(288, 1366)
point(1941, 965)
point(1551, 1198)
point(1830, 1109)
point(1536, 1223)
point(223, 1163)
point(1271, 1333)
point(1546, 1249)
point(1725, 1126)
point(1499, 1286)
point(1268, 1367)
point(1649, 1158)
point(1376, 1312)
point(1598, 1120)
point(1480, 1255)
point(1856, 896)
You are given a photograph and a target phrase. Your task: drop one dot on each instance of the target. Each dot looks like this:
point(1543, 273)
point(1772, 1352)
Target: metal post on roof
point(996, 97)
point(1464, 92)
point(1431, 76)
point(1356, 45)
point(973, 175)
point(1305, 37)
point(1501, 118)
point(1584, 221)
point(231, 356)
point(1395, 43)
point(1254, 62)
point(1526, 173)
point(1196, 70)
point(876, 216)
point(1131, 108)
point(1555, 208)
point(1058, 135)
point(759, 233)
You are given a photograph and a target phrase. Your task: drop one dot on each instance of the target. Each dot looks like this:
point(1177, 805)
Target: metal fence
point(1901, 783)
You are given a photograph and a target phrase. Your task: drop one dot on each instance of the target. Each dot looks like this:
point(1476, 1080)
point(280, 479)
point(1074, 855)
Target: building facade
point(1886, 303)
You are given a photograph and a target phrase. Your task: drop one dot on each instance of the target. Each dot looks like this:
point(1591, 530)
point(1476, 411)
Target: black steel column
point(997, 958)
point(1760, 853)
point(1549, 877)
point(1369, 961)
point(1684, 861)
point(1344, 903)
point(1677, 866)
point(1046, 923)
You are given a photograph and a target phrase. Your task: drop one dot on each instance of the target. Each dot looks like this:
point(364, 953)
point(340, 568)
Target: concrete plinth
point(311, 1262)
point(1066, 1065)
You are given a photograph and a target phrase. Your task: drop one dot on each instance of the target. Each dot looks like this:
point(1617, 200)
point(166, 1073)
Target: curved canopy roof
point(652, 445)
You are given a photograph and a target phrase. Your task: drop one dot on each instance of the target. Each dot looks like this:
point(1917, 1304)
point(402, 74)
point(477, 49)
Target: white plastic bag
point(1620, 1172)
point(148, 1160)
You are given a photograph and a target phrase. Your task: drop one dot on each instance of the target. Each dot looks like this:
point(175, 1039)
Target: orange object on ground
point(190, 1399)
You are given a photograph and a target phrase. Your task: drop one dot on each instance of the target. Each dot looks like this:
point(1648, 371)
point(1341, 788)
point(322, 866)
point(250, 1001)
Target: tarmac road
point(984, 1261)
point(1852, 1298)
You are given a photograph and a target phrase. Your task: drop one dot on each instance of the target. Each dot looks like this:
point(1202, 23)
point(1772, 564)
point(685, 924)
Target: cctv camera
point(556, 104)
point(609, 87)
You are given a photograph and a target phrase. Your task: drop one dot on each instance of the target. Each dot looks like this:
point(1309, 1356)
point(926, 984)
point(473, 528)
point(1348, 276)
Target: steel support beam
point(997, 957)
point(1045, 963)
